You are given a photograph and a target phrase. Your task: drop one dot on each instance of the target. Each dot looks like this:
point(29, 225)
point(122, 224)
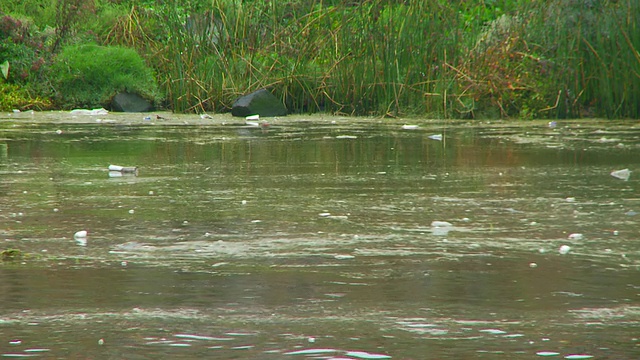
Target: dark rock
point(130, 102)
point(260, 102)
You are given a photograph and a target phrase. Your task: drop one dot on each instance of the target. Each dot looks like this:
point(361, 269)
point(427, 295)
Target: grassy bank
point(489, 59)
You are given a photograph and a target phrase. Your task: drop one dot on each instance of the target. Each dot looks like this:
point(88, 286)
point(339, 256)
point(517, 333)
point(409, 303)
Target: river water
point(313, 238)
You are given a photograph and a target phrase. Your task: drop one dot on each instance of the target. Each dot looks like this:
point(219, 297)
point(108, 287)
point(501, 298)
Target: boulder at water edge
point(130, 102)
point(260, 102)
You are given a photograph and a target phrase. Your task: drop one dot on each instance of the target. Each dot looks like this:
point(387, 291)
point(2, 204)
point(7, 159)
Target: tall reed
point(563, 58)
point(593, 47)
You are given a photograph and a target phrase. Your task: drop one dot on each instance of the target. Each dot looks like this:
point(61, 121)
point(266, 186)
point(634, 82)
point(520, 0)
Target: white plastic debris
point(343, 257)
point(410, 127)
point(252, 117)
point(206, 116)
point(564, 249)
point(80, 234)
point(436, 137)
point(623, 174)
point(100, 111)
point(533, 265)
point(576, 236)
point(124, 169)
point(441, 224)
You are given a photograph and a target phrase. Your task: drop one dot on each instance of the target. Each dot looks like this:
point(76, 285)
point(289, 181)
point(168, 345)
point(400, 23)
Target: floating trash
point(100, 111)
point(436, 137)
point(441, 224)
point(533, 265)
point(441, 228)
point(344, 257)
point(252, 117)
point(206, 116)
point(547, 353)
point(576, 236)
point(124, 169)
point(80, 234)
point(410, 127)
point(623, 174)
point(493, 331)
point(311, 351)
point(346, 137)
point(366, 355)
point(564, 249)
point(578, 356)
point(101, 342)
point(552, 124)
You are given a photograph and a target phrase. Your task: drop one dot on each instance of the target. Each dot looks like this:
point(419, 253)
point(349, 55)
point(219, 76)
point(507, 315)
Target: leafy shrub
point(21, 49)
point(90, 75)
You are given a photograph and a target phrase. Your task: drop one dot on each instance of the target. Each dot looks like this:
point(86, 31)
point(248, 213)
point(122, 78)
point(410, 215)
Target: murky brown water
point(312, 238)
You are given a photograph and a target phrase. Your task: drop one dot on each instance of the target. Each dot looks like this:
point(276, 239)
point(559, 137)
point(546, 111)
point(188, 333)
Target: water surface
point(312, 238)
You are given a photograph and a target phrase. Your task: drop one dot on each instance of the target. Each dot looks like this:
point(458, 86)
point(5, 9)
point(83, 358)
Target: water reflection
point(315, 239)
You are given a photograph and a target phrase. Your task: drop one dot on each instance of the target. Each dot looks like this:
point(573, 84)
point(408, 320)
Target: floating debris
point(100, 111)
point(119, 171)
point(576, 236)
point(366, 355)
point(623, 174)
point(410, 127)
point(206, 116)
point(564, 249)
point(252, 117)
point(552, 124)
point(346, 137)
point(344, 257)
point(124, 169)
point(311, 351)
point(80, 234)
point(441, 224)
point(436, 137)
point(547, 353)
point(578, 356)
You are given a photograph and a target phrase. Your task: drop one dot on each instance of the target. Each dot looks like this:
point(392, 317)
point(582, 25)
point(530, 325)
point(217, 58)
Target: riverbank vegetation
point(435, 58)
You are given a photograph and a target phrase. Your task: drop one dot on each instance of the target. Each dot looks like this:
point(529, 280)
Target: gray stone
point(130, 102)
point(260, 102)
